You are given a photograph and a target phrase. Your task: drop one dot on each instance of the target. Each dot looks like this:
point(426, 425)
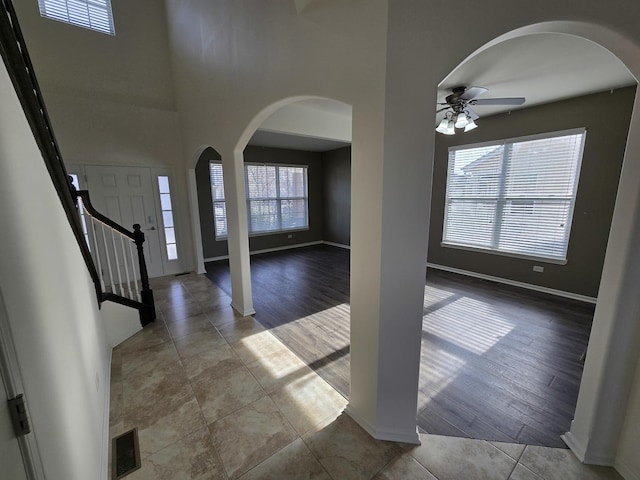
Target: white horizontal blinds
point(541, 183)
point(516, 197)
point(473, 185)
point(262, 198)
point(92, 14)
point(277, 197)
point(217, 196)
point(293, 197)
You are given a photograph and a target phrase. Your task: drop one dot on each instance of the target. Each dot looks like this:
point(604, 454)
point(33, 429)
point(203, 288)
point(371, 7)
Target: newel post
point(146, 294)
point(73, 190)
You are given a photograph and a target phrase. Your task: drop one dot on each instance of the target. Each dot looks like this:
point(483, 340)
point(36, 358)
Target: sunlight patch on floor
point(470, 324)
point(437, 370)
point(434, 295)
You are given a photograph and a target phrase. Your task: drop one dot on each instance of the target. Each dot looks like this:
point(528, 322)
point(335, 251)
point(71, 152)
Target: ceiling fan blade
point(499, 101)
point(471, 112)
point(443, 109)
point(472, 92)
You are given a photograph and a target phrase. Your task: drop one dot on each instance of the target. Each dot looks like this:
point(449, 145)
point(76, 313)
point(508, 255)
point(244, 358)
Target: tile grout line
point(269, 394)
point(206, 425)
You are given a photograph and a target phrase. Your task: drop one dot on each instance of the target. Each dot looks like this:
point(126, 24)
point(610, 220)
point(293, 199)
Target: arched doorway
point(612, 355)
point(290, 166)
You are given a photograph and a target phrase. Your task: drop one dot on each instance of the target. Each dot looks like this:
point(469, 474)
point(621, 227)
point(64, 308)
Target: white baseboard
point(215, 259)
point(268, 250)
point(626, 471)
point(286, 247)
point(574, 445)
point(506, 281)
point(245, 313)
point(339, 245)
point(404, 437)
point(104, 473)
point(580, 451)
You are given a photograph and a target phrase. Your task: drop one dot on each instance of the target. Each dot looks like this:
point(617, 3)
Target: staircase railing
point(118, 257)
point(13, 51)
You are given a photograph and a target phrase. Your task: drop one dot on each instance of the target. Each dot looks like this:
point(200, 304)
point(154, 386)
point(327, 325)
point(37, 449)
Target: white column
point(615, 335)
point(392, 160)
point(390, 199)
point(237, 231)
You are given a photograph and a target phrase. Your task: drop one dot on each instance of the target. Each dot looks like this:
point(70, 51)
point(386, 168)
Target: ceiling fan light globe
point(442, 127)
point(462, 120)
point(470, 126)
point(451, 128)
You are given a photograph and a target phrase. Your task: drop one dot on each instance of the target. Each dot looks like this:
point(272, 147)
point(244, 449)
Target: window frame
point(278, 198)
point(164, 239)
point(48, 10)
point(214, 201)
point(502, 199)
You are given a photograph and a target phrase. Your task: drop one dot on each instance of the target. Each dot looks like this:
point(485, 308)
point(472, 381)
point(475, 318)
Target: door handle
point(152, 228)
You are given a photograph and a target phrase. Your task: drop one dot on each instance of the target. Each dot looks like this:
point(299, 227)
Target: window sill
point(555, 261)
point(272, 232)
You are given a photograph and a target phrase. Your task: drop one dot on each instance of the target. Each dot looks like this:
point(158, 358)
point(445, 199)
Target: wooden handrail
point(13, 51)
point(148, 313)
point(86, 201)
point(18, 63)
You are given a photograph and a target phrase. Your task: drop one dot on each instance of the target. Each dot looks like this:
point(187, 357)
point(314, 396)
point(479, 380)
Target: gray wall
point(606, 117)
point(337, 195)
point(216, 248)
point(210, 247)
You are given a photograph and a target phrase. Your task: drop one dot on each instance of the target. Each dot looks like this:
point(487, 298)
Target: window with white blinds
point(514, 196)
point(93, 14)
point(217, 196)
point(277, 198)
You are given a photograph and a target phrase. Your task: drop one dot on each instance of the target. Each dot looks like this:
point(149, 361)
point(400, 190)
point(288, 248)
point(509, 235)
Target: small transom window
point(93, 14)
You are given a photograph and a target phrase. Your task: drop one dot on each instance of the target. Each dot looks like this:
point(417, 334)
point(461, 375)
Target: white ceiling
point(543, 68)
point(265, 138)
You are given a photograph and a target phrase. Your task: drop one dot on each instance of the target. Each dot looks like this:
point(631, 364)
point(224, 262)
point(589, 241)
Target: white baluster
point(97, 252)
point(115, 254)
point(106, 252)
point(126, 267)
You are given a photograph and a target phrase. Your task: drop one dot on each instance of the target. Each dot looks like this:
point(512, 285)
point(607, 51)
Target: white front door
point(126, 196)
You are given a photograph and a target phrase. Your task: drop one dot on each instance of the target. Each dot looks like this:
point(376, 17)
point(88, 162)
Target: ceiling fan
point(460, 114)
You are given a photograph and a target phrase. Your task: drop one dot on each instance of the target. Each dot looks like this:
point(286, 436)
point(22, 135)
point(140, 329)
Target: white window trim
point(554, 261)
point(278, 199)
point(247, 199)
point(161, 224)
point(58, 10)
point(213, 202)
point(497, 143)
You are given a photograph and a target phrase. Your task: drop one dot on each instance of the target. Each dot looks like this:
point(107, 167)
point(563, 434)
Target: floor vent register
point(125, 454)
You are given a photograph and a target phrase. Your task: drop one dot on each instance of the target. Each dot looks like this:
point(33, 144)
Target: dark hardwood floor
point(497, 362)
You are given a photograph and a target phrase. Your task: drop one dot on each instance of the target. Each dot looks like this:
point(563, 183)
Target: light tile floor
point(216, 396)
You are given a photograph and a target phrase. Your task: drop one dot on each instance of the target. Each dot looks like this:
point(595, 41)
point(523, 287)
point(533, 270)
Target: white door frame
point(14, 386)
point(169, 267)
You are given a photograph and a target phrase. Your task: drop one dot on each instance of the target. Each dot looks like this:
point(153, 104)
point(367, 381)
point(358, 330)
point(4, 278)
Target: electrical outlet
point(538, 268)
